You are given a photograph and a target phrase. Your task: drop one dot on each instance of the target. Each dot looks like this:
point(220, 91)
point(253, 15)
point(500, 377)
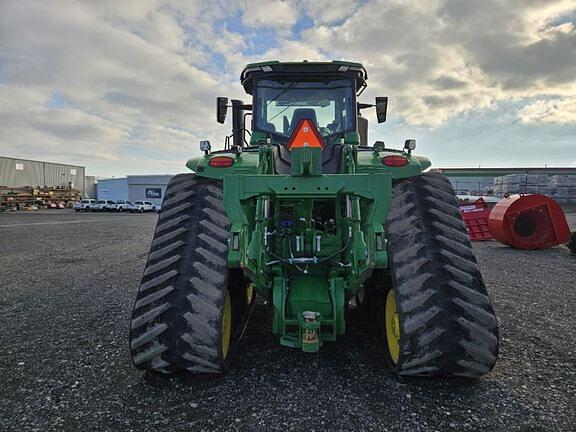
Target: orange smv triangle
point(305, 135)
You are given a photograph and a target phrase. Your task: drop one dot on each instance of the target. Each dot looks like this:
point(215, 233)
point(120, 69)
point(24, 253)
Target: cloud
point(270, 13)
point(26, 122)
point(330, 11)
point(558, 111)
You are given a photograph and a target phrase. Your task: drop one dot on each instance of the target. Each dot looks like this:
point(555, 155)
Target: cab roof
point(276, 70)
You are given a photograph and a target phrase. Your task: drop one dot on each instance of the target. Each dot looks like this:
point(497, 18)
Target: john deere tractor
point(300, 209)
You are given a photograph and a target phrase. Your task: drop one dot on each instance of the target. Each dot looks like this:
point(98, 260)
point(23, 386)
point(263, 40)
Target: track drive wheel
point(431, 310)
point(191, 309)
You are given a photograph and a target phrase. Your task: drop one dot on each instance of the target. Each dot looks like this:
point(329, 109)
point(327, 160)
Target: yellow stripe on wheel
point(392, 327)
point(249, 293)
point(226, 324)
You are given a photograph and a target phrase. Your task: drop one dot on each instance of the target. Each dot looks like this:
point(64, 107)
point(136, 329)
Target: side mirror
point(221, 109)
point(381, 108)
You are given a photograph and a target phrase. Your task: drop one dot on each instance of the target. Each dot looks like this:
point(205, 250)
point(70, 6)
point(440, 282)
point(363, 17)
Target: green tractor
point(301, 210)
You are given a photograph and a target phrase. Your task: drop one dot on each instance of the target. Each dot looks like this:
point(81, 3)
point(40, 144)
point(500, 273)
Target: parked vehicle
point(109, 206)
point(120, 205)
point(84, 204)
point(142, 206)
point(99, 205)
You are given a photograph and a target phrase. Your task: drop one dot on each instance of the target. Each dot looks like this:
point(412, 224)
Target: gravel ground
point(67, 283)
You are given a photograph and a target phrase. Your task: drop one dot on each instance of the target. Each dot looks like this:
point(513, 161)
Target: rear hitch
point(310, 331)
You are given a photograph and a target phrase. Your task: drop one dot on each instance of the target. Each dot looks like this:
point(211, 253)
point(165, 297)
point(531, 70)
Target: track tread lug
point(172, 223)
point(186, 195)
point(214, 230)
point(215, 203)
point(165, 214)
point(216, 217)
point(158, 280)
point(209, 274)
point(211, 258)
point(150, 354)
point(161, 265)
point(219, 246)
point(145, 301)
point(160, 253)
point(149, 316)
point(169, 236)
point(148, 336)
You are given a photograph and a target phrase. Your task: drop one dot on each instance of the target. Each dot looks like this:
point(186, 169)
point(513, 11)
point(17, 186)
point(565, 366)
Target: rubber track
point(448, 326)
point(176, 321)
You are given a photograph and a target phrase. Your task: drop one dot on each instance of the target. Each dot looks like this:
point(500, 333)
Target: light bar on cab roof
point(264, 68)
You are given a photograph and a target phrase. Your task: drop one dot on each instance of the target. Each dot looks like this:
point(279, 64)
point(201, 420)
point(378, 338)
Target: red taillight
point(395, 161)
point(221, 162)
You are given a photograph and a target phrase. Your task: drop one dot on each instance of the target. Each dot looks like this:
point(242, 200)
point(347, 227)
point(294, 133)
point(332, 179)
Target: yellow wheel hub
point(226, 324)
point(249, 292)
point(392, 326)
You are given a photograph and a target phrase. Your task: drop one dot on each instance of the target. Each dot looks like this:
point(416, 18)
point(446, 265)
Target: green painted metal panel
point(371, 162)
point(245, 163)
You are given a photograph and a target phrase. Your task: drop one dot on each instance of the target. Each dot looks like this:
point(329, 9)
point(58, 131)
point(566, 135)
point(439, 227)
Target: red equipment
point(475, 217)
point(529, 222)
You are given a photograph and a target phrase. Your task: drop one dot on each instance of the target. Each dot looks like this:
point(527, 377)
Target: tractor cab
point(289, 96)
point(285, 93)
point(279, 106)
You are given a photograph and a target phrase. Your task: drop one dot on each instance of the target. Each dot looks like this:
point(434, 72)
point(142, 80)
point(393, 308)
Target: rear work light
point(395, 161)
point(221, 162)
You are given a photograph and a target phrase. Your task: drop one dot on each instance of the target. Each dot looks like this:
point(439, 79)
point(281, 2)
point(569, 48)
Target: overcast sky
point(129, 87)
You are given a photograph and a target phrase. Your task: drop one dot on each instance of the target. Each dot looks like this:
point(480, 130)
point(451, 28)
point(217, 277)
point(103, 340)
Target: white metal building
point(90, 187)
point(134, 188)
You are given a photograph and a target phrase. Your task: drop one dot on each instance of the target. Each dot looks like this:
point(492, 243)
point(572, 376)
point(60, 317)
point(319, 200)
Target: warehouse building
point(134, 188)
point(18, 173)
